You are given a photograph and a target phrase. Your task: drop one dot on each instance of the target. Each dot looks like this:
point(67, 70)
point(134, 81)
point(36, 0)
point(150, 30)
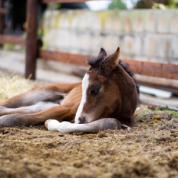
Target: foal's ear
point(102, 54)
point(96, 61)
point(115, 57)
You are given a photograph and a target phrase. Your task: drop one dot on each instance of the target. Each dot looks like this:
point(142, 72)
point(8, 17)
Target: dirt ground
point(149, 150)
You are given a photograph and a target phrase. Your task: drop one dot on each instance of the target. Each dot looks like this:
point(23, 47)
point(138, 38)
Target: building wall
point(141, 34)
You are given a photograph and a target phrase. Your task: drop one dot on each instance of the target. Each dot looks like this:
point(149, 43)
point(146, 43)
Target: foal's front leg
point(92, 127)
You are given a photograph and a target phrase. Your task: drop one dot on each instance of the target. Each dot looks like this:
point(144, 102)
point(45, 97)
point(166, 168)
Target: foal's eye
point(95, 90)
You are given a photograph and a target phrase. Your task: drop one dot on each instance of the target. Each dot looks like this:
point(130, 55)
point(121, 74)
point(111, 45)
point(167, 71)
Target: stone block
point(174, 22)
point(110, 42)
point(175, 47)
point(138, 20)
point(58, 39)
point(130, 45)
point(86, 21)
point(163, 21)
point(150, 20)
point(111, 22)
point(126, 22)
point(159, 46)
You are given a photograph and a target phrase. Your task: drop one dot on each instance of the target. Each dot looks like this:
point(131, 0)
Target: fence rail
point(12, 40)
point(76, 59)
point(64, 1)
point(153, 69)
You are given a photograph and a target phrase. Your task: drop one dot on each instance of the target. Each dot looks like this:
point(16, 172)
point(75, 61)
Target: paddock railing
point(153, 74)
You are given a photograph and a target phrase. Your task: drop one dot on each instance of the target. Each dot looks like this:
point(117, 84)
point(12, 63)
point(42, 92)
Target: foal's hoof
point(52, 124)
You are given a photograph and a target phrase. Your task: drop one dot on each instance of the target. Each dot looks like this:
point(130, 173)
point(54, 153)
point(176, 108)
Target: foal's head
point(101, 93)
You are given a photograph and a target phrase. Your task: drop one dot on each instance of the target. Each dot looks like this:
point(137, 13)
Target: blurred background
point(144, 29)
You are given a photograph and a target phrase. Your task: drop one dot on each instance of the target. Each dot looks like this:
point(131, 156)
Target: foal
point(106, 99)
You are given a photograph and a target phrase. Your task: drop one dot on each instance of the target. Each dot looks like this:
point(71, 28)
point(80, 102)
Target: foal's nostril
point(82, 120)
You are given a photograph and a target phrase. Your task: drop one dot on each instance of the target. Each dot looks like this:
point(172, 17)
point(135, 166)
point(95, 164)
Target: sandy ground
point(149, 150)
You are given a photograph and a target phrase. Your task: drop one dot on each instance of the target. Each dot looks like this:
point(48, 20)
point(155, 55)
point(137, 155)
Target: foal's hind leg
point(40, 106)
point(65, 111)
point(59, 113)
point(50, 92)
point(19, 119)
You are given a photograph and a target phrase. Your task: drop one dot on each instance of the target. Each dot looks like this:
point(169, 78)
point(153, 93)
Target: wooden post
point(2, 18)
point(31, 39)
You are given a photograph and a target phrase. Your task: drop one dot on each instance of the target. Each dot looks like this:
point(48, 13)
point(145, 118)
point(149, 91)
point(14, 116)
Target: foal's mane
point(129, 72)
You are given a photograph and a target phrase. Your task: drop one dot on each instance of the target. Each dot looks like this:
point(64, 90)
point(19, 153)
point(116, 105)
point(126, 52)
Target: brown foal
point(105, 99)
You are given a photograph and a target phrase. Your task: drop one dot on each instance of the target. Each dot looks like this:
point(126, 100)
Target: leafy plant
point(145, 4)
point(117, 4)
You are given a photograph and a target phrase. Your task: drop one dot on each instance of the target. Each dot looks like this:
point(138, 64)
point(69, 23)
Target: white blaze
point(85, 84)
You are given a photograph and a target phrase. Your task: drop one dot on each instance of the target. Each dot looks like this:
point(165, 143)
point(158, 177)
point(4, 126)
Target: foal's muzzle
point(82, 120)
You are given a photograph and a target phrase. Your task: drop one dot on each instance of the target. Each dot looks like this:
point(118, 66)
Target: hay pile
point(11, 85)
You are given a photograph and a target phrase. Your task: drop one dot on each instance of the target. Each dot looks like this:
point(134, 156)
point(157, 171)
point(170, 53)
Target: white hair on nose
point(85, 84)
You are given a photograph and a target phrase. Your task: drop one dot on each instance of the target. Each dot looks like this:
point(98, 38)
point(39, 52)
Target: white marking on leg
point(85, 84)
point(63, 127)
point(52, 124)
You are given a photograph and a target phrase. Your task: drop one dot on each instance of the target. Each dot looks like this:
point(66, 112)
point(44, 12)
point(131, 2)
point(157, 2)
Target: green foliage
point(158, 4)
point(54, 6)
point(173, 4)
point(168, 111)
point(144, 4)
point(117, 4)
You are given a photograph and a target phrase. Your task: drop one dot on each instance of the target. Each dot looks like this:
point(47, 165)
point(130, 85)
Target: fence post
point(31, 39)
point(2, 18)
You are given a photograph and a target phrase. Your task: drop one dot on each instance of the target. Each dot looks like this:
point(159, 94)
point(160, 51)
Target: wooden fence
point(167, 73)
